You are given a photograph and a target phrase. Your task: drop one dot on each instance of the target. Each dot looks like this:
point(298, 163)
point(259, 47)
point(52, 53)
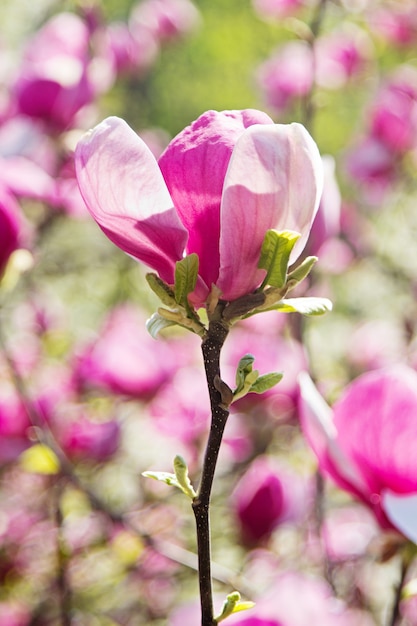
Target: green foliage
point(178, 479)
point(186, 273)
point(232, 605)
point(275, 256)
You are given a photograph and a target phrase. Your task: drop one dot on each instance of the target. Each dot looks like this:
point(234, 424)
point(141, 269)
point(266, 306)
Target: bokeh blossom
point(266, 496)
point(53, 83)
point(10, 223)
point(217, 188)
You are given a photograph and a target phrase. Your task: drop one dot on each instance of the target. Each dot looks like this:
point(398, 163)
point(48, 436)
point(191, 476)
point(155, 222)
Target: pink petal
point(124, 191)
point(274, 180)
point(194, 166)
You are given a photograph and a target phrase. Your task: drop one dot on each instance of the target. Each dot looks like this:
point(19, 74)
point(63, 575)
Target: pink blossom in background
point(165, 19)
point(347, 532)
point(220, 185)
point(181, 408)
point(266, 496)
point(326, 237)
point(373, 166)
point(14, 614)
point(276, 9)
point(132, 50)
point(375, 344)
point(397, 24)
point(124, 359)
point(327, 221)
point(393, 117)
point(85, 439)
point(10, 227)
point(53, 83)
point(287, 75)
point(366, 442)
point(341, 55)
point(14, 426)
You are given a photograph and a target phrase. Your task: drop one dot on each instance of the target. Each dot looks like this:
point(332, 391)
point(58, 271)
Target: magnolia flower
point(266, 496)
point(123, 361)
point(287, 75)
point(218, 187)
point(366, 443)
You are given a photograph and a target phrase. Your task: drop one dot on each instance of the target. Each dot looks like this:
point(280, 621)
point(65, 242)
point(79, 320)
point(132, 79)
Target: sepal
point(301, 272)
point(249, 381)
point(161, 289)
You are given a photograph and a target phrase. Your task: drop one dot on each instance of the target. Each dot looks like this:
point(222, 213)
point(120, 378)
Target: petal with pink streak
point(124, 191)
point(317, 422)
point(194, 166)
point(274, 180)
point(376, 421)
point(401, 510)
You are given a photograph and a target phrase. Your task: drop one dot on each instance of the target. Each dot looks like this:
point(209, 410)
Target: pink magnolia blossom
point(14, 614)
point(394, 113)
point(373, 166)
point(165, 19)
point(96, 441)
point(217, 188)
point(267, 495)
point(347, 532)
point(125, 361)
point(132, 50)
point(341, 55)
point(366, 443)
point(14, 426)
point(10, 222)
point(287, 75)
point(327, 222)
point(272, 9)
point(54, 82)
point(397, 24)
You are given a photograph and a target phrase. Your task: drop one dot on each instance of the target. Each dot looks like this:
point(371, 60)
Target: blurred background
point(88, 400)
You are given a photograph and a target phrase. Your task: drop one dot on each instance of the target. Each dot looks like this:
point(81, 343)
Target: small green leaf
point(250, 380)
point(179, 479)
point(186, 273)
point(305, 306)
point(164, 477)
point(232, 605)
point(156, 323)
point(161, 289)
point(302, 271)
point(275, 256)
point(243, 606)
point(265, 382)
point(181, 473)
point(243, 368)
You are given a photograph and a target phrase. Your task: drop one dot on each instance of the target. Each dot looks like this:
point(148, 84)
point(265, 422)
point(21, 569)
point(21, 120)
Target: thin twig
point(315, 26)
point(211, 348)
point(395, 617)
